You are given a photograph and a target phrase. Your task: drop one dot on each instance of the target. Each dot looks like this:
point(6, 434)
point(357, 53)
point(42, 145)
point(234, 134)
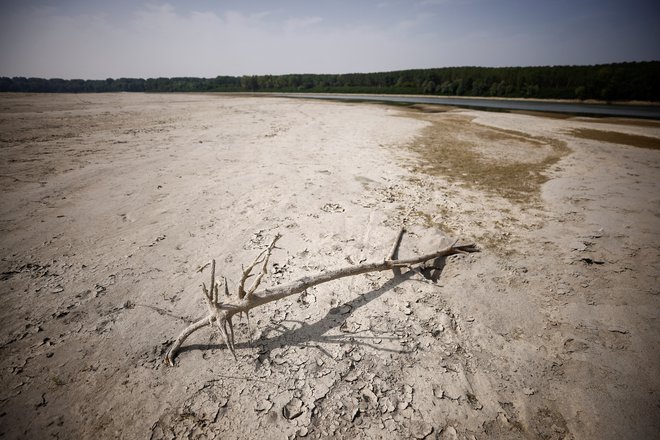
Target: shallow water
point(620, 110)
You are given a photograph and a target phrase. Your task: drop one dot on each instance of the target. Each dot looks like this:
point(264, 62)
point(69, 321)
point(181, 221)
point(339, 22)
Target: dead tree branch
point(221, 313)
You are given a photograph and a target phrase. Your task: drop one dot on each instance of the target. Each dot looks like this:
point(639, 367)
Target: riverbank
point(629, 109)
point(491, 98)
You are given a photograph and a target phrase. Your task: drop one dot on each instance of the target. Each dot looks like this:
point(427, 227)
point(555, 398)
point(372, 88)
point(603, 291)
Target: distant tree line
point(610, 82)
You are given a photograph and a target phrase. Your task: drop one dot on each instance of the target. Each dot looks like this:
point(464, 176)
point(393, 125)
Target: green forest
point(609, 82)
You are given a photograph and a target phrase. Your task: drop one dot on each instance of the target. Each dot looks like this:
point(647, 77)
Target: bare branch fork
point(221, 313)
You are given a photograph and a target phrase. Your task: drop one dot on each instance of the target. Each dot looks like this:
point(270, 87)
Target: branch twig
point(221, 313)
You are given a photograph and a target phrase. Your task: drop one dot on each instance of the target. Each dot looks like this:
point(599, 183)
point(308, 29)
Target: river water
point(575, 108)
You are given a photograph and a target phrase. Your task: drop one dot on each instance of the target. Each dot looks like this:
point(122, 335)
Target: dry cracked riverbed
point(113, 204)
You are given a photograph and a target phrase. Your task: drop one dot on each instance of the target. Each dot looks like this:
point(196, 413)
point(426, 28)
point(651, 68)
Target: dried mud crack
point(114, 203)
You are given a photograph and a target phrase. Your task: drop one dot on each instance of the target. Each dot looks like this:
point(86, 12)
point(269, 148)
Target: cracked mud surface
point(112, 203)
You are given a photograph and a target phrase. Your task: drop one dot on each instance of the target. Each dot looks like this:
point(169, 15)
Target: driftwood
point(221, 313)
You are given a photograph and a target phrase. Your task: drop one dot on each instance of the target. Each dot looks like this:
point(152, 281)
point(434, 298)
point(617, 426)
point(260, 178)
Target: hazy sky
point(121, 38)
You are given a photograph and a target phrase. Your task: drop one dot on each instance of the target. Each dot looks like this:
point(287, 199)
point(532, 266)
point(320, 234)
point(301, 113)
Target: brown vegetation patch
point(621, 121)
point(550, 115)
point(507, 163)
point(616, 137)
point(432, 108)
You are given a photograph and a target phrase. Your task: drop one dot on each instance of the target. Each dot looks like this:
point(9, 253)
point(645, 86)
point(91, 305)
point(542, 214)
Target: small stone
point(407, 393)
point(369, 395)
point(292, 409)
point(354, 411)
point(420, 429)
point(224, 400)
point(450, 433)
point(386, 405)
point(529, 391)
point(279, 359)
point(390, 425)
point(445, 321)
point(263, 405)
point(351, 376)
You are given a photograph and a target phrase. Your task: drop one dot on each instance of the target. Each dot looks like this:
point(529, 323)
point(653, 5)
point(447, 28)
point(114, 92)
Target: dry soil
point(112, 204)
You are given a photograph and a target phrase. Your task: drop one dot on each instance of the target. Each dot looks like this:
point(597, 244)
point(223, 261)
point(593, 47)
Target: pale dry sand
point(112, 202)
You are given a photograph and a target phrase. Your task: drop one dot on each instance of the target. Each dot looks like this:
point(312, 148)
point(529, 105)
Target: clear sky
point(94, 39)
